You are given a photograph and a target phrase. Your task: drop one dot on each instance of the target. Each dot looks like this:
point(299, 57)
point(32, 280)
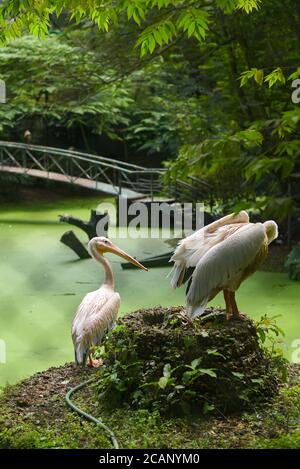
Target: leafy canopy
point(72, 94)
point(160, 21)
point(211, 94)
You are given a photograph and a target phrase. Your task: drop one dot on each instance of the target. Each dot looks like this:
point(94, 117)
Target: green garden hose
point(88, 416)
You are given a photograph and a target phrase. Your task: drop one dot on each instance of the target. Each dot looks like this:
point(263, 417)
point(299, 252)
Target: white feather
point(95, 315)
point(191, 249)
point(224, 263)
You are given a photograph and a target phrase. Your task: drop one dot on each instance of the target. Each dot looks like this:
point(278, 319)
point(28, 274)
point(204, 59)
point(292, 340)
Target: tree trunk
point(70, 239)
point(89, 227)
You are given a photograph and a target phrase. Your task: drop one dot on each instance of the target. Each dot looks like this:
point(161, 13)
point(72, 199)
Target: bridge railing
point(75, 165)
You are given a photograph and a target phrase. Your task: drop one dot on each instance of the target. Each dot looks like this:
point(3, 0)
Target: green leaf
point(156, 34)
point(179, 387)
point(167, 370)
point(248, 5)
point(295, 74)
point(208, 371)
point(207, 408)
point(214, 351)
point(189, 341)
point(196, 362)
point(275, 77)
point(255, 73)
point(250, 137)
point(194, 22)
point(238, 374)
point(259, 76)
point(257, 380)
point(163, 382)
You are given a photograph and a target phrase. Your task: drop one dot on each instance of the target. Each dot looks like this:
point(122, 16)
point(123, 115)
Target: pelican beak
point(127, 257)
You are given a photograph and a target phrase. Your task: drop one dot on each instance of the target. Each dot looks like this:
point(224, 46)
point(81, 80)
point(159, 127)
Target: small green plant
point(270, 335)
point(177, 386)
point(119, 379)
point(267, 325)
point(132, 383)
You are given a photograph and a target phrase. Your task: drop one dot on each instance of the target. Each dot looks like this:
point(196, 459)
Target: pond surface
point(41, 284)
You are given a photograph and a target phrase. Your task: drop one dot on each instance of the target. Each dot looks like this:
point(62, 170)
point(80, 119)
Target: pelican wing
point(223, 263)
point(191, 249)
point(95, 315)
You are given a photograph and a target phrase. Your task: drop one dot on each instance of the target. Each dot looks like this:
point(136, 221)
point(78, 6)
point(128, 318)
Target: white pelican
point(218, 257)
point(98, 310)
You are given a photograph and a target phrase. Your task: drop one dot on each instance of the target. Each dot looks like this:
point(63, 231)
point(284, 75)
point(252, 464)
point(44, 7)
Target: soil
point(34, 397)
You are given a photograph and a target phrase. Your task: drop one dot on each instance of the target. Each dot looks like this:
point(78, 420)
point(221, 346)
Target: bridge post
point(70, 169)
point(68, 166)
point(151, 182)
point(24, 158)
point(114, 177)
point(120, 183)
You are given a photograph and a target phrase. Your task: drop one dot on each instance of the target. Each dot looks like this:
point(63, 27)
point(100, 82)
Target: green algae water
point(42, 282)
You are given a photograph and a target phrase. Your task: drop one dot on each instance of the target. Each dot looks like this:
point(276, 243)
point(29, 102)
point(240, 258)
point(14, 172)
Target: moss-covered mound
point(44, 420)
point(158, 358)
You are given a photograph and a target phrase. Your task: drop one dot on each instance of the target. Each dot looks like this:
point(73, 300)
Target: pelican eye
point(105, 242)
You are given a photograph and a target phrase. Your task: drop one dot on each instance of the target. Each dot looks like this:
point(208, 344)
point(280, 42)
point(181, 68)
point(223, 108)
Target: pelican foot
point(239, 316)
point(95, 363)
point(242, 316)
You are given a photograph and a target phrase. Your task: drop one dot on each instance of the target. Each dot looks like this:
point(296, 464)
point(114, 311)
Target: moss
point(290, 441)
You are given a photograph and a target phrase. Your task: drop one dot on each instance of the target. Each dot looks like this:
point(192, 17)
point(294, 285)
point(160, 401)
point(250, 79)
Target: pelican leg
point(229, 310)
point(235, 311)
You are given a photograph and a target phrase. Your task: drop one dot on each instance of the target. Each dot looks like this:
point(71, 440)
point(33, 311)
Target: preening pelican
point(218, 257)
point(98, 310)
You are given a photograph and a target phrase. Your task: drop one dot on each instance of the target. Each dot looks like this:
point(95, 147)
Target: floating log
point(156, 261)
point(89, 227)
point(70, 239)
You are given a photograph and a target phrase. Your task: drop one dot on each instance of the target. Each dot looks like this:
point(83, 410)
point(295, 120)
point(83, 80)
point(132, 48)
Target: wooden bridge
point(106, 175)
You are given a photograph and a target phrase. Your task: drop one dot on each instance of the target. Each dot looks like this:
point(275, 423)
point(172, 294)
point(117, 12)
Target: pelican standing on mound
point(218, 257)
point(98, 310)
